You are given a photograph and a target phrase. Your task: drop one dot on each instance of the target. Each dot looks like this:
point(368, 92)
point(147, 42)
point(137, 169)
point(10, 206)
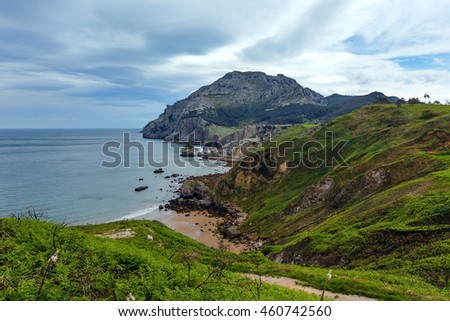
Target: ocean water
point(60, 171)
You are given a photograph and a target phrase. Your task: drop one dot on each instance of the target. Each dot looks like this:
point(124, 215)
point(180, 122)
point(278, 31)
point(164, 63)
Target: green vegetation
point(91, 266)
point(220, 131)
point(229, 114)
point(293, 132)
point(382, 224)
point(387, 212)
point(260, 113)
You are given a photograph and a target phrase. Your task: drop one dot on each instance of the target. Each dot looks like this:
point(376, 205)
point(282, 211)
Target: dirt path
point(292, 284)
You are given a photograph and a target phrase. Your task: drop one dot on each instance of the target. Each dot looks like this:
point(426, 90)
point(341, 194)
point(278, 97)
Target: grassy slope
point(402, 226)
point(96, 268)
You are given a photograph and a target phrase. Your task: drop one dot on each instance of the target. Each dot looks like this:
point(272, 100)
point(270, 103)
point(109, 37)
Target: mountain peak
point(242, 98)
point(250, 76)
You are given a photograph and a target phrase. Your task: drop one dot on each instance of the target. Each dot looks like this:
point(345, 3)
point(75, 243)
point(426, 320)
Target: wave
point(138, 213)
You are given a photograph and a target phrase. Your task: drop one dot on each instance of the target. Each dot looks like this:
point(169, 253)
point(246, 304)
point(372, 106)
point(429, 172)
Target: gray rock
point(231, 232)
point(194, 189)
point(188, 120)
point(140, 188)
point(316, 194)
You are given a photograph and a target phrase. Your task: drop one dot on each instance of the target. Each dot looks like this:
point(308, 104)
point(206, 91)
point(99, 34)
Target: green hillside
point(386, 208)
point(91, 266)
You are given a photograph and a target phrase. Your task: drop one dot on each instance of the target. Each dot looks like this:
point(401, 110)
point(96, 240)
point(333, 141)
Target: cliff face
point(234, 99)
point(248, 98)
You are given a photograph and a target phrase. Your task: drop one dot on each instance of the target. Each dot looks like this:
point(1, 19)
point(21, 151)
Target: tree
point(400, 102)
point(413, 101)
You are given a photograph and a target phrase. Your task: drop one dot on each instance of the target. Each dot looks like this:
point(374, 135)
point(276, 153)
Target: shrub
point(428, 114)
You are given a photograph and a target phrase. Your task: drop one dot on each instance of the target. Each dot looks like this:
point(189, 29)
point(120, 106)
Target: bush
point(428, 114)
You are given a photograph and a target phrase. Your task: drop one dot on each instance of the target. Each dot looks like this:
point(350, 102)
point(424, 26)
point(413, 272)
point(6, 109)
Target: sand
point(198, 225)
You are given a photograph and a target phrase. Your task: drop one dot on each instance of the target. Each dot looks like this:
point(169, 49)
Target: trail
point(292, 284)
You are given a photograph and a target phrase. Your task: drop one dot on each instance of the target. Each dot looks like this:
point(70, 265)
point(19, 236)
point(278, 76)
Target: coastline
point(198, 225)
point(192, 222)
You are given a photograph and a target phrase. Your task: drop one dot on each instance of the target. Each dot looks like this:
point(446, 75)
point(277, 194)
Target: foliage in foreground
point(90, 266)
point(45, 261)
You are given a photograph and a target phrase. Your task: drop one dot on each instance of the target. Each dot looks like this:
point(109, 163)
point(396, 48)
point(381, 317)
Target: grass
point(170, 267)
point(221, 131)
point(387, 212)
point(91, 267)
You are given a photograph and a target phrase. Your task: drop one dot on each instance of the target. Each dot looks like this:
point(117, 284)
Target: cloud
point(133, 58)
point(299, 32)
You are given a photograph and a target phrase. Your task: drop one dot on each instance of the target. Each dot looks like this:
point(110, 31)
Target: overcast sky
point(111, 63)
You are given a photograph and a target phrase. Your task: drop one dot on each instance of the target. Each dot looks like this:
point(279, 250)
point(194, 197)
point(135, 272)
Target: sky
point(117, 64)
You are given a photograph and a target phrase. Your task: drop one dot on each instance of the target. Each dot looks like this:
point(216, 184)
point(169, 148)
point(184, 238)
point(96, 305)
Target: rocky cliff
point(245, 98)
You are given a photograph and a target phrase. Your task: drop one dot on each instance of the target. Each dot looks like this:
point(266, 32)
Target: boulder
point(194, 189)
point(158, 170)
point(140, 188)
point(187, 152)
point(231, 232)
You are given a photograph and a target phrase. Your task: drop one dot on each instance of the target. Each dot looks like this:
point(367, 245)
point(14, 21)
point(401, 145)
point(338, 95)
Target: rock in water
point(158, 170)
point(188, 151)
point(140, 188)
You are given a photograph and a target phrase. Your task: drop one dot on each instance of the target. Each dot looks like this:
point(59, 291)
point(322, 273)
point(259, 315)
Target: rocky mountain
point(247, 98)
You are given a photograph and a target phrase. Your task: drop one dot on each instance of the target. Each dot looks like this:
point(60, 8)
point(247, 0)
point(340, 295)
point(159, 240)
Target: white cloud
point(95, 51)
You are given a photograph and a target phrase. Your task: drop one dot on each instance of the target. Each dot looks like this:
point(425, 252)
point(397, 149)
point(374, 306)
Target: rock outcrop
point(250, 102)
point(196, 196)
point(228, 101)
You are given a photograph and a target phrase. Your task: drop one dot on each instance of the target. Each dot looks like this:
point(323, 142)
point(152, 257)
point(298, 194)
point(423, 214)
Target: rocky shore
point(196, 198)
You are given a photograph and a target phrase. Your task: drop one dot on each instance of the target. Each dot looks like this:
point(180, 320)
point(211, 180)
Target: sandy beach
point(198, 225)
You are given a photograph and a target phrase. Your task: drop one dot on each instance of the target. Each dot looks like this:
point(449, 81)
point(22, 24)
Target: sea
point(84, 176)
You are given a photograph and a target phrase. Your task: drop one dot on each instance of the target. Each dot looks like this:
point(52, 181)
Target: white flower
point(54, 258)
